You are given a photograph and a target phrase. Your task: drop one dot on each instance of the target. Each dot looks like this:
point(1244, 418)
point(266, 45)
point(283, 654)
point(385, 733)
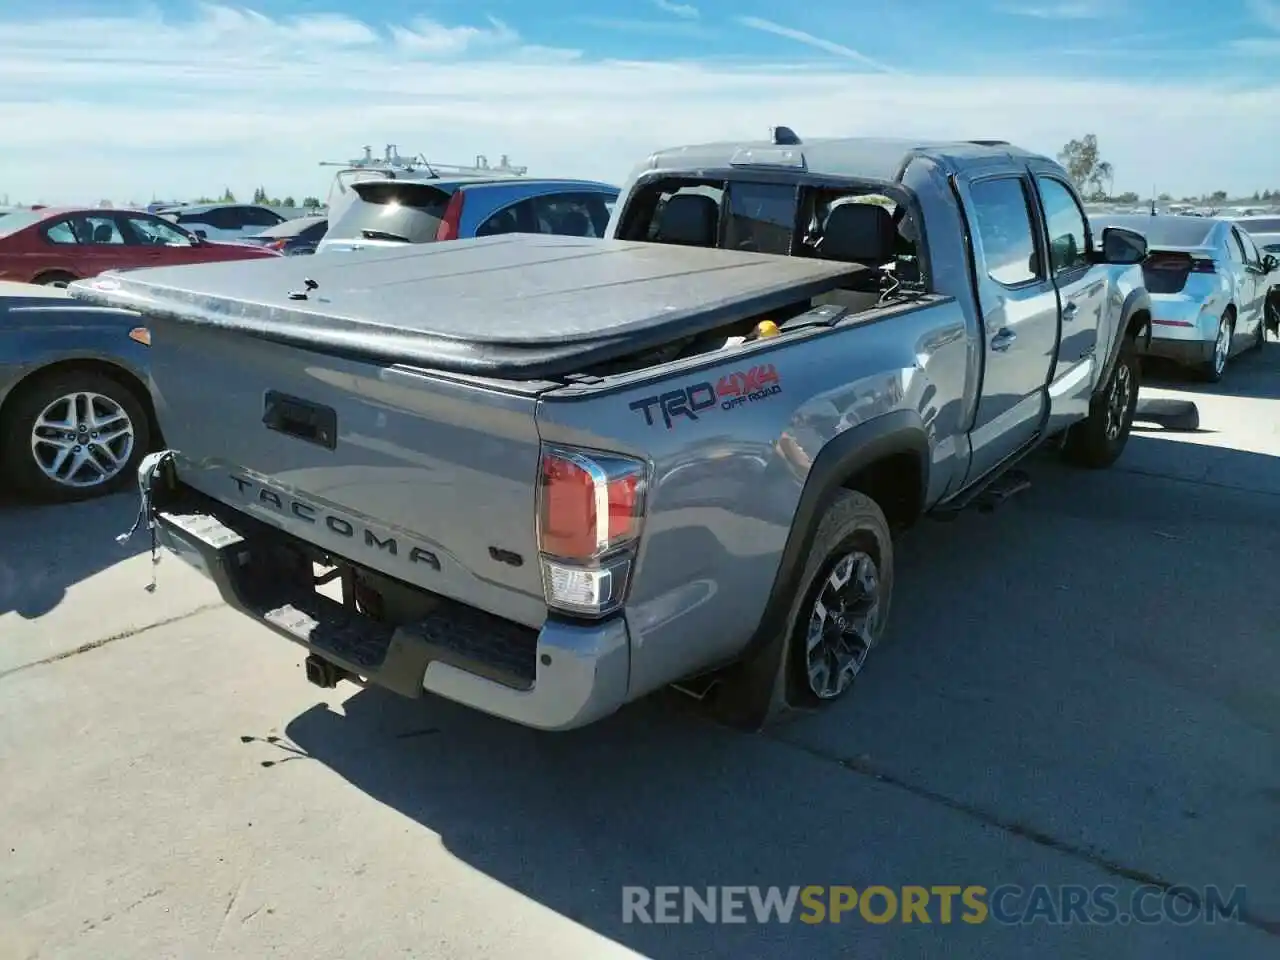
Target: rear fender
point(840, 459)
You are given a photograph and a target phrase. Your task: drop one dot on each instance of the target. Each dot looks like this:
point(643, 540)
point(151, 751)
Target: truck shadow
point(46, 549)
point(1055, 706)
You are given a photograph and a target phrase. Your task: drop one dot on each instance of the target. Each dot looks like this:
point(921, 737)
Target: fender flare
point(840, 458)
point(1137, 300)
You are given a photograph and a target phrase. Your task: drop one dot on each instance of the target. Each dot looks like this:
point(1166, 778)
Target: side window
point(260, 217)
point(1234, 250)
point(1068, 235)
point(61, 233)
point(517, 218)
point(314, 233)
point(571, 214)
point(1250, 251)
point(154, 232)
point(1003, 224)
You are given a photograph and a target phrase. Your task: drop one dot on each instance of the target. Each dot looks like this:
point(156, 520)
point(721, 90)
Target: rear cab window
point(742, 214)
point(392, 210)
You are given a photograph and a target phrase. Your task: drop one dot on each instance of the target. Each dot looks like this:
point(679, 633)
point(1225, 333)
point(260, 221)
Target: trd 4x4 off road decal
point(729, 392)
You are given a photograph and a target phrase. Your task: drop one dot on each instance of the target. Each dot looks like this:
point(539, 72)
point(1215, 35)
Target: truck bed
point(518, 307)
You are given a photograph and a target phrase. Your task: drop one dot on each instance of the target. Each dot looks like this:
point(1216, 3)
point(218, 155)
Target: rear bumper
point(563, 676)
point(1188, 353)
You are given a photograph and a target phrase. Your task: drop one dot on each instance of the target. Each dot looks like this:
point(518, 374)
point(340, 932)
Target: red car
point(56, 245)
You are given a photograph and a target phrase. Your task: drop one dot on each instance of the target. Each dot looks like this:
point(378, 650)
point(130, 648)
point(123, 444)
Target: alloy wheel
point(842, 624)
point(82, 440)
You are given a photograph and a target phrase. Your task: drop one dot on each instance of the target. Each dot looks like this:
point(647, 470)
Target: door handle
point(1069, 312)
point(1003, 340)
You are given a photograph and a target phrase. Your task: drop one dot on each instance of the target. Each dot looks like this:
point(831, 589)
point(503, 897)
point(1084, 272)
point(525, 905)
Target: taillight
point(590, 514)
point(1201, 265)
point(277, 244)
point(448, 229)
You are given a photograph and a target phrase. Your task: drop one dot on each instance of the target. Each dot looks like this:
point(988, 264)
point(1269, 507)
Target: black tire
point(18, 424)
point(1271, 315)
point(54, 278)
point(1097, 441)
point(1215, 368)
point(775, 682)
point(1261, 340)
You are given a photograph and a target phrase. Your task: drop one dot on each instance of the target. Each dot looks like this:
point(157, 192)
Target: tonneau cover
point(516, 306)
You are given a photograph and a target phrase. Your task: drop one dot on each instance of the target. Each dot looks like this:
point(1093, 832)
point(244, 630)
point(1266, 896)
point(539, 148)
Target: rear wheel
point(837, 617)
point(54, 278)
point(73, 435)
point(1216, 366)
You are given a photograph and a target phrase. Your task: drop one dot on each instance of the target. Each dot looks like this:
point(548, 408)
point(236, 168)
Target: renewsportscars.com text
point(1008, 905)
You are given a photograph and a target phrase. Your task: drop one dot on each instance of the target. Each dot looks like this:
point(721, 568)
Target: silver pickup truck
point(544, 476)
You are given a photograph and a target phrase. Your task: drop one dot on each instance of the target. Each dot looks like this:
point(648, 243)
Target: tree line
point(1094, 177)
point(261, 196)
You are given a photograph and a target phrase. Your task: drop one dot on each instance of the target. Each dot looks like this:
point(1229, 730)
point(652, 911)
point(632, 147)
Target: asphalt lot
point(1080, 689)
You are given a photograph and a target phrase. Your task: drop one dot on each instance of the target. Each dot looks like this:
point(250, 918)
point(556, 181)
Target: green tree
point(1218, 196)
point(311, 203)
point(288, 202)
point(1164, 198)
point(227, 196)
point(1088, 171)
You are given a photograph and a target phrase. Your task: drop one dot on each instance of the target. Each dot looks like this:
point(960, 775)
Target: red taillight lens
point(448, 229)
point(1200, 265)
point(589, 504)
point(277, 244)
point(590, 514)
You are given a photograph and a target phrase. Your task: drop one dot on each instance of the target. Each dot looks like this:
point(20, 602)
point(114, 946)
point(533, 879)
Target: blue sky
point(123, 99)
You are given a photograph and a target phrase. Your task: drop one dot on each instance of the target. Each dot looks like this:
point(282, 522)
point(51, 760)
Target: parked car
point(597, 467)
point(390, 212)
point(223, 221)
point(1265, 232)
point(1208, 283)
point(75, 413)
point(292, 237)
point(55, 246)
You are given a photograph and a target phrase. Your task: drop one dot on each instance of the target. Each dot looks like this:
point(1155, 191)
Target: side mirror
point(1269, 263)
point(1123, 247)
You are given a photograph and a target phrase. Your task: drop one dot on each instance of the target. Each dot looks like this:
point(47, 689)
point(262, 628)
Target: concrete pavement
point(1079, 689)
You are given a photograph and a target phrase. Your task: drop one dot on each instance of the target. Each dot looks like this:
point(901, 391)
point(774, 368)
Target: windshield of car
point(1162, 231)
point(390, 210)
point(291, 228)
point(19, 220)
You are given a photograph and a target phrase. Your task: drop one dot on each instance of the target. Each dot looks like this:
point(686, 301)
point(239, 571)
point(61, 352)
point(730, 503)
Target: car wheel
point(1097, 441)
point(1214, 369)
point(837, 618)
point(73, 436)
point(1260, 339)
point(1271, 317)
point(55, 278)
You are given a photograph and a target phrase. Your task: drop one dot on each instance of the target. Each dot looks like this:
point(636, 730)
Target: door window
point(1003, 225)
point(517, 218)
point(1251, 254)
point(259, 217)
point(154, 232)
point(1068, 233)
point(572, 214)
point(86, 231)
point(61, 233)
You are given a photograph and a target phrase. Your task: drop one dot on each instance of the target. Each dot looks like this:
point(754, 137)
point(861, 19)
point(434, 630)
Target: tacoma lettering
point(338, 525)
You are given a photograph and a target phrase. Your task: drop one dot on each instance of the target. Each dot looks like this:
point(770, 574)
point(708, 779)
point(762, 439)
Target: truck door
point(1082, 293)
point(1019, 308)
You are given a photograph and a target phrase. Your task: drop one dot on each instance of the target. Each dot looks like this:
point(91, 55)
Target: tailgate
point(427, 479)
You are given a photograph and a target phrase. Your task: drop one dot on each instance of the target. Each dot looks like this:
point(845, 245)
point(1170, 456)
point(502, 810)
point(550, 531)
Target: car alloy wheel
point(82, 440)
point(842, 624)
point(1222, 346)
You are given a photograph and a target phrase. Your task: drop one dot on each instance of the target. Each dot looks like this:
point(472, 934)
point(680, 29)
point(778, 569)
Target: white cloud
point(818, 43)
point(122, 108)
point(1063, 10)
point(685, 10)
point(1267, 11)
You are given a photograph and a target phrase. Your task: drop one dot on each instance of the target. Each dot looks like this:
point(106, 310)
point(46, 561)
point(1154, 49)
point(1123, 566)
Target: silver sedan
point(1209, 286)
